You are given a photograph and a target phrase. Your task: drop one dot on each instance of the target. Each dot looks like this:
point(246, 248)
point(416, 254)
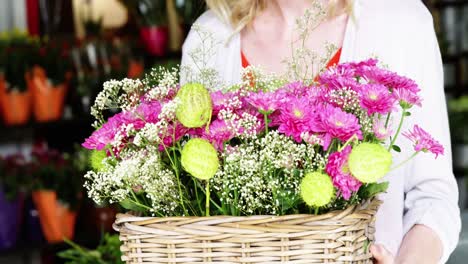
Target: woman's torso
point(377, 28)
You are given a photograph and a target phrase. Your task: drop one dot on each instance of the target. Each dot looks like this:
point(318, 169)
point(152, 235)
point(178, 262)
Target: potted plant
point(12, 185)
point(55, 192)
point(152, 19)
point(16, 51)
point(107, 252)
point(48, 81)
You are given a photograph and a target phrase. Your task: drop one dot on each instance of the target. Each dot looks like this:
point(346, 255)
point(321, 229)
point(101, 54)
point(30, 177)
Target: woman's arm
point(420, 245)
point(431, 220)
point(431, 193)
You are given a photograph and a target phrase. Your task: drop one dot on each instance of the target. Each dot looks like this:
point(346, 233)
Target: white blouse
point(401, 34)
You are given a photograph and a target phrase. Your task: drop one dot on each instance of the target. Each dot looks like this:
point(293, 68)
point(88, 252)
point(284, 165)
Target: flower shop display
point(55, 192)
point(15, 59)
point(152, 19)
point(48, 81)
point(12, 180)
point(264, 171)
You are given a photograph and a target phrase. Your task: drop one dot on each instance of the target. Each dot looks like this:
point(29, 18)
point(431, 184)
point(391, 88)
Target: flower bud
point(369, 162)
point(317, 189)
point(195, 106)
point(200, 159)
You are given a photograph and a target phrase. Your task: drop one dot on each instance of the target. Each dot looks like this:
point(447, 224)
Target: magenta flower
point(376, 98)
point(103, 136)
point(423, 141)
point(265, 102)
point(342, 76)
point(148, 112)
point(295, 118)
point(218, 133)
point(380, 131)
point(335, 123)
point(225, 100)
point(297, 89)
point(337, 168)
point(390, 79)
point(360, 68)
point(406, 98)
point(174, 133)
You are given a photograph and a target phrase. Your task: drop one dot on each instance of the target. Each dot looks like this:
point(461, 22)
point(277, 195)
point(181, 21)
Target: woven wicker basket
point(336, 237)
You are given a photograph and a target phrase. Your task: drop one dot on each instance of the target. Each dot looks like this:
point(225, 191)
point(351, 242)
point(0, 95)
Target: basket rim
point(124, 218)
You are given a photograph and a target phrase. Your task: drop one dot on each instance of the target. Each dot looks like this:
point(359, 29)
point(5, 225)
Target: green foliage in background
point(17, 56)
point(108, 252)
point(458, 117)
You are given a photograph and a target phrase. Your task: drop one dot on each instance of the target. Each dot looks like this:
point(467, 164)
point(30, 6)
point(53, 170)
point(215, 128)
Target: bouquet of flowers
point(263, 147)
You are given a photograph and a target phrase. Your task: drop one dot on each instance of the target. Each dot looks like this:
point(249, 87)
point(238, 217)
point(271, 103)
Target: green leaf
point(366, 246)
point(372, 189)
point(132, 206)
point(396, 148)
point(407, 114)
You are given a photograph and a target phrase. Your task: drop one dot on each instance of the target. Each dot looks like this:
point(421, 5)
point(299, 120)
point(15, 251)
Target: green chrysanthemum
point(200, 159)
point(317, 189)
point(96, 158)
point(369, 162)
point(195, 106)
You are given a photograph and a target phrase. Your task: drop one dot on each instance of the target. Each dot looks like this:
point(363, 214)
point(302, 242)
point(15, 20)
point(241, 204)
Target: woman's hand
point(381, 255)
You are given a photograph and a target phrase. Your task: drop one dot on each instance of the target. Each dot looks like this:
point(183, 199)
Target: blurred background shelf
point(449, 3)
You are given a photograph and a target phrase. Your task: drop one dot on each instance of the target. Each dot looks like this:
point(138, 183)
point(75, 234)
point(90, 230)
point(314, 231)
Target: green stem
point(207, 204)
point(405, 161)
point(176, 170)
point(180, 190)
point(330, 147)
point(398, 130)
point(351, 139)
point(212, 202)
point(196, 195)
point(141, 205)
point(387, 120)
point(265, 117)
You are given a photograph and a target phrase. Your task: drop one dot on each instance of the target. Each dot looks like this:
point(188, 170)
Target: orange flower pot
point(15, 106)
point(57, 220)
point(48, 100)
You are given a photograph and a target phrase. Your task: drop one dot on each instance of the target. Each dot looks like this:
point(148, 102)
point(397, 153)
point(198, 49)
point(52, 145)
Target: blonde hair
point(240, 13)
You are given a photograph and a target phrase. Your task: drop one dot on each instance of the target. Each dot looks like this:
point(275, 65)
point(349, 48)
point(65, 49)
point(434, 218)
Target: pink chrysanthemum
point(376, 98)
point(174, 133)
point(337, 168)
point(390, 79)
point(147, 112)
point(100, 138)
point(380, 131)
point(406, 98)
point(423, 141)
point(363, 66)
point(218, 133)
point(295, 118)
point(335, 123)
point(265, 102)
point(219, 99)
point(297, 89)
point(338, 78)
